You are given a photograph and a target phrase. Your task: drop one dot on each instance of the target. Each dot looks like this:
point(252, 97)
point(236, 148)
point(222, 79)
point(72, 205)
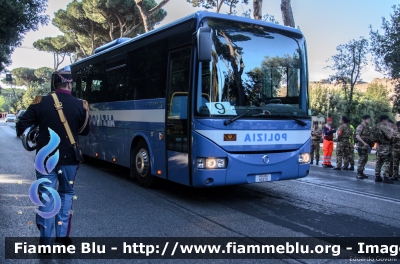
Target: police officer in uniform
point(383, 156)
point(316, 135)
point(42, 112)
point(343, 144)
point(363, 136)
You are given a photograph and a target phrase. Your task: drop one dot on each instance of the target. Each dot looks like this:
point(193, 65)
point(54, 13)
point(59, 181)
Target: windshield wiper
point(298, 121)
point(230, 121)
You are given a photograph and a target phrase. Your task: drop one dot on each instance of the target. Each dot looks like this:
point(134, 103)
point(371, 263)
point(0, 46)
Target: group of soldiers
point(385, 135)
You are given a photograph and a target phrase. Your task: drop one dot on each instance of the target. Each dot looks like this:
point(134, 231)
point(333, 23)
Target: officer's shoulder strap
point(37, 100)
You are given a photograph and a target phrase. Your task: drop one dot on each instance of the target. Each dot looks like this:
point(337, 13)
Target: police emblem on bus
point(229, 137)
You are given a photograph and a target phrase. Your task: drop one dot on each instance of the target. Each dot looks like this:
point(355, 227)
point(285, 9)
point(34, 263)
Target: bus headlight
point(211, 163)
point(304, 158)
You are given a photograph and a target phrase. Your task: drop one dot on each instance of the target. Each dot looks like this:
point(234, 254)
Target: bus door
point(177, 116)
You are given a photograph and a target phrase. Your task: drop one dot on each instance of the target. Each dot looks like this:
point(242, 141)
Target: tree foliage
point(216, 5)
point(348, 64)
point(17, 18)
point(43, 74)
point(58, 46)
point(88, 24)
point(373, 102)
point(385, 48)
point(26, 76)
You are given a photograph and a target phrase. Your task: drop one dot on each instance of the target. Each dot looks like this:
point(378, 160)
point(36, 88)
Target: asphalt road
point(110, 204)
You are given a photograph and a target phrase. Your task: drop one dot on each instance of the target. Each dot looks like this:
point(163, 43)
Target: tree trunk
point(257, 9)
point(143, 14)
point(287, 14)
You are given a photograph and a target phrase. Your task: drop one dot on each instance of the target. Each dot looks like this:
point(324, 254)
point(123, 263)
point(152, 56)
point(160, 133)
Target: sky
point(325, 24)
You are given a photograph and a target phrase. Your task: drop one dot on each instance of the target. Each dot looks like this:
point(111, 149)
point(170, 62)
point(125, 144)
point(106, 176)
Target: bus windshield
point(252, 68)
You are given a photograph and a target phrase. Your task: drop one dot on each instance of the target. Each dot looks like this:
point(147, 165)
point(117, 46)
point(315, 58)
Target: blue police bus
point(208, 100)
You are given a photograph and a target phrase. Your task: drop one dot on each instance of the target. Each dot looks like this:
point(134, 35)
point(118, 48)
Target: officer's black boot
point(345, 168)
point(311, 162)
point(351, 168)
point(317, 162)
point(363, 174)
point(360, 175)
point(337, 168)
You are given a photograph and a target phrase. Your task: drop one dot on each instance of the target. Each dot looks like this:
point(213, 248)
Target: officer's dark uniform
point(43, 113)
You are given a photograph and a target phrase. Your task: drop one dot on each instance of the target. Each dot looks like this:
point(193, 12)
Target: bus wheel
point(141, 165)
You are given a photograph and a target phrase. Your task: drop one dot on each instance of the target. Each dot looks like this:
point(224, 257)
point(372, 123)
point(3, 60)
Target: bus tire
point(141, 165)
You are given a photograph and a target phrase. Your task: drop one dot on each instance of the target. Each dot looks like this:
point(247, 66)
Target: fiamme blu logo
point(45, 164)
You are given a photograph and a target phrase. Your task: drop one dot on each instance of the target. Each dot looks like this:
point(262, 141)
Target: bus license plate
point(263, 177)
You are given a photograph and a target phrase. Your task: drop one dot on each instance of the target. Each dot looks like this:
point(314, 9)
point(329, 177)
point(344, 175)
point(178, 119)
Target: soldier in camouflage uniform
point(396, 152)
point(363, 136)
point(350, 155)
point(384, 137)
point(393, 127)
point(343, 144)
point(316, 135)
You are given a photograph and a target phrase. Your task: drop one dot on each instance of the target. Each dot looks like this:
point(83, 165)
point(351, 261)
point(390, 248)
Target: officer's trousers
point(328, 149)
point(60, 224)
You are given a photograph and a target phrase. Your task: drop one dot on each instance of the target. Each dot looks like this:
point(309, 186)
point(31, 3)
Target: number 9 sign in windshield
point(221, 108)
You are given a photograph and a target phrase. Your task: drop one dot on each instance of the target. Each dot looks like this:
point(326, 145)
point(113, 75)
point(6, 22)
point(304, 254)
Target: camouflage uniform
point(396, 153)
point(351, 148)
point(343, 146)
point(365, 134)
point(383, 152)
point(315, 140)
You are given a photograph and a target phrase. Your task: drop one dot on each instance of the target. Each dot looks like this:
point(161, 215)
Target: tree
point(385, 48)
point(287, 13)
point(146, 13)
point(374, 102)
point(90, 24)
point(32, 91)
point(122, 18)
point(24, 76)
point(43, 74)
point(217, 4)
point(348, 65)
point(257, 9)
point(79, 29)
point(270, 18)
point(58, 46)
point(17, 18)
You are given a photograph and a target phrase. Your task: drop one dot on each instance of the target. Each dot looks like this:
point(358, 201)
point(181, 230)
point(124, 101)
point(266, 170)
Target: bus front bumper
point(252, 168)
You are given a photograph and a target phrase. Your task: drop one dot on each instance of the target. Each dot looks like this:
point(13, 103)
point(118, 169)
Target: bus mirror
point(204, 44)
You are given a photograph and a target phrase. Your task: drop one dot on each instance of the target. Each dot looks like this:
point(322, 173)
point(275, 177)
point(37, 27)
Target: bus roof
point(200, 15)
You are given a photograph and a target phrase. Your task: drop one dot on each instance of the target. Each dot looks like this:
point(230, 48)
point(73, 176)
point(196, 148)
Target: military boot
point(311, 162)
point(317, 163)
point(360, 175)
point(387, 180)
point(363, 174)
point(378, 179)
point(351, 168)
